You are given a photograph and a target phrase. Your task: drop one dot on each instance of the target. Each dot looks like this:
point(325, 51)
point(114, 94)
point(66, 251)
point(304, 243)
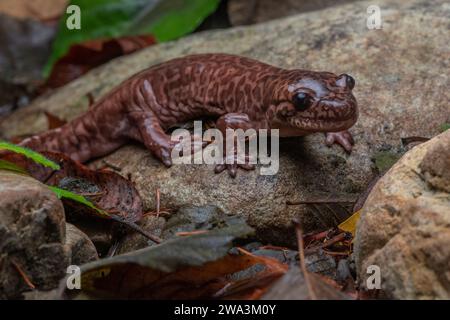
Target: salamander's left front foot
point(343, 138)
point(233, 167)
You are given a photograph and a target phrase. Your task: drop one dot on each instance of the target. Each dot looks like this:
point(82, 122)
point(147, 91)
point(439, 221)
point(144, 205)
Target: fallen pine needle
point(321, 201)
point(190, 233)
point(23, 275)
point(301, 252)
point(158, 202)
point(338, 238)
point(158, 211)
point(137, 228)
point(270, 247)
point(154, 213)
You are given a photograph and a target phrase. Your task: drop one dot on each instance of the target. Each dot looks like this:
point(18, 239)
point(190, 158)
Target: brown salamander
point(237, 92)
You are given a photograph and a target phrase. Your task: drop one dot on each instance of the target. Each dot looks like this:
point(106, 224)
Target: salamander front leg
point(150, 132)
point(343, 138)
point(234, 121)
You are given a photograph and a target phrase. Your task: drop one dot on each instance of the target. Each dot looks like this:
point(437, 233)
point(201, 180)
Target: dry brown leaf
point(85, 56)
point(107, 190)
point(53, 121)
point(141, 275)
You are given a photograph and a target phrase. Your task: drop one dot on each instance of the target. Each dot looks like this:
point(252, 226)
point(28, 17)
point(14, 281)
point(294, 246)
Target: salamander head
point(315, 101)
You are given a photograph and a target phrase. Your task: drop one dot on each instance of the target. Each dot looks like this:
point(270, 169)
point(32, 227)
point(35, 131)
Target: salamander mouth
point(327, 115)
point(322, 124)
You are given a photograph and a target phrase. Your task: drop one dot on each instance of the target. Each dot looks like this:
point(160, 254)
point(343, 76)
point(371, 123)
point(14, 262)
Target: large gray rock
point(405, 225)
point(32, 236)
point(402, 90)
point(35, 237)
point(244, 12)
point(81, 247)
point(262, 200)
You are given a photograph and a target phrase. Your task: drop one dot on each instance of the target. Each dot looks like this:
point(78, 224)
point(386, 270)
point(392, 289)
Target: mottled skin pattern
point(235, 91)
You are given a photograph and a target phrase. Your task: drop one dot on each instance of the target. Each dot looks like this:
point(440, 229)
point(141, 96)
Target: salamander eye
point(301, 101)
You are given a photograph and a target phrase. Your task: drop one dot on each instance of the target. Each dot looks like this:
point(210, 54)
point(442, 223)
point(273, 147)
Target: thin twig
point(330, 201)
point(311, 237)
point(154, 213)
point(301, 253)
point(112, 250)
point(340, 237)
point(158, 211)
point(158, 202)
point(111, 166)
point(23, 274)
point(270, 247)
point(137, 228)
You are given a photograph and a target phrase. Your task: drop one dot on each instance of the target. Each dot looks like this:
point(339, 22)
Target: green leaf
point(61, 193)
point(36, 157)
point(444, 127)
point(164, 19)
point(6, 165)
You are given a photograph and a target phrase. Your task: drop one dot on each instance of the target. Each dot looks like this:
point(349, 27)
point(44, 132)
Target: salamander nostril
point(345, 81)
point(350, 82)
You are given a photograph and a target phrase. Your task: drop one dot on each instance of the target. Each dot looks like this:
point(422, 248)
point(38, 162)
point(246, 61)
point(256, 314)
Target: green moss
point(385, 159)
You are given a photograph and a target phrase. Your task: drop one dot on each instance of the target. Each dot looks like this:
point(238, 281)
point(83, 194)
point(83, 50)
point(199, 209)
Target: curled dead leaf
point(107, 190)
point(200, 266)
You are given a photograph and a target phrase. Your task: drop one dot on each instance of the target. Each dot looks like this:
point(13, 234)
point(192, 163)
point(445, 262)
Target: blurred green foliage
point(384, 160)
point(445, 127)
point(164, 19)
point(61, 193)
point(36, 157)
